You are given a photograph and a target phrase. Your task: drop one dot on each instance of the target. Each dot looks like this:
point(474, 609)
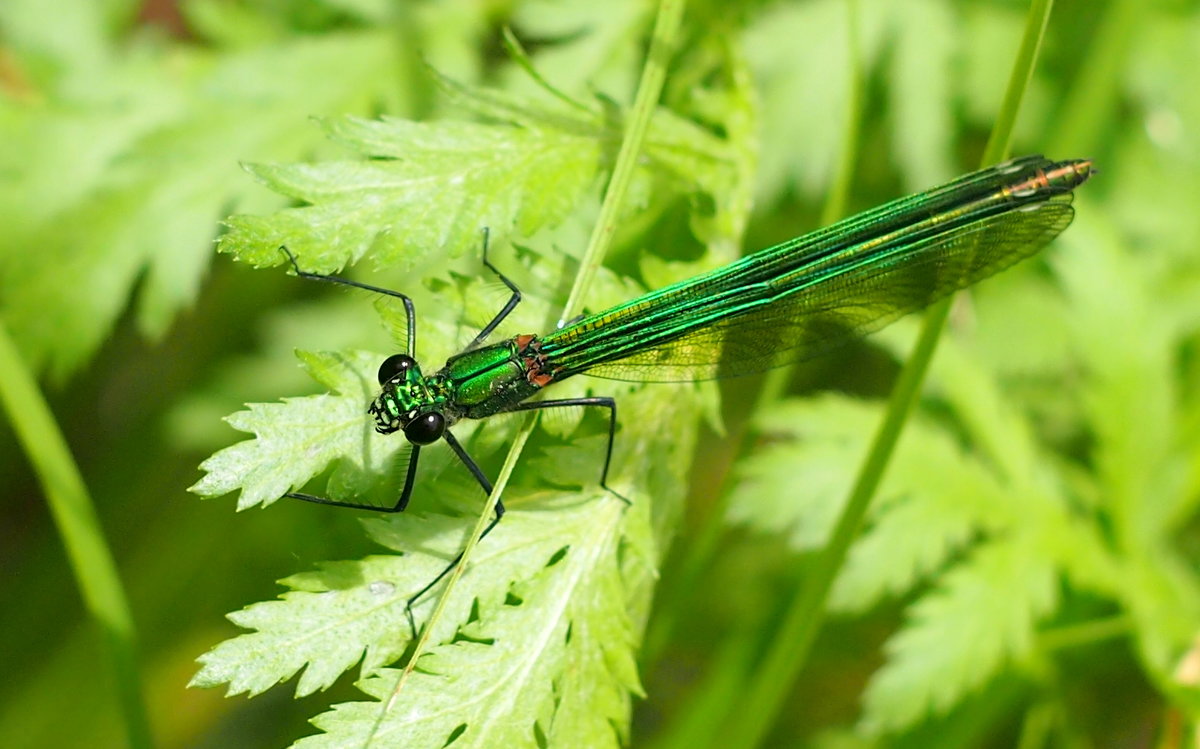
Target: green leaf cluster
point(550, 603)
point(118, 173)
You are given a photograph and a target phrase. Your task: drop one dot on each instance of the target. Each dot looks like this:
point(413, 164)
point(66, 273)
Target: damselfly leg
point(395, 366)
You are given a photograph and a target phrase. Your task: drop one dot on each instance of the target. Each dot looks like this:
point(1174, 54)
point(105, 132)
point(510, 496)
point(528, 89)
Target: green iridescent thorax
point(491, 379)
point(471, 385)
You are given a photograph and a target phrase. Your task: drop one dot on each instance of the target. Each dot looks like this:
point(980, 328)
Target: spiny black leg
point(509, 306)
point(401, 503)
point(410, 312)
point(602, 401)
point(471, 465)
point(477, 472)
point(411, 315)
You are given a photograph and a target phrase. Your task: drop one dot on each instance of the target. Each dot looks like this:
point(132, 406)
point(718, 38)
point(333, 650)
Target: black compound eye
point(394, 365)
point(425, 429)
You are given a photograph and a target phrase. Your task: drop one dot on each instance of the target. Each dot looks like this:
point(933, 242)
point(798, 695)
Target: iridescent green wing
point(819, 305)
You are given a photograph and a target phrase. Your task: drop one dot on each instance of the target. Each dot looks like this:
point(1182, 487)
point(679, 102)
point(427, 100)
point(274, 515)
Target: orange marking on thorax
point(534, 361)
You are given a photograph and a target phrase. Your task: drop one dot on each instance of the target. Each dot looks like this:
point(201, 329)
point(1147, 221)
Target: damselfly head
point(406, 403)
point(400, 400)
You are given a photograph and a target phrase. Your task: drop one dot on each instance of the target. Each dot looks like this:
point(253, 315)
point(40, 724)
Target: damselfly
point(783, 304)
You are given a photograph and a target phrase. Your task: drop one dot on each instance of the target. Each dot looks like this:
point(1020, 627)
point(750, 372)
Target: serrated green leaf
point(1128, 397)
point(941, 511)
point(935, 501)
point(554, 654)
point(566, 647)
point(297, 438)
point(155, 148)
point(431, 187)
point(1130, 402)
point(831, 431)
point(981, 617)
point(347, 612)
point(454, 179)
point(923, 516)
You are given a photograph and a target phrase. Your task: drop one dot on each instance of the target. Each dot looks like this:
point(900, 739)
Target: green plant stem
point(1036, 728)
point(997, 146)
point(666, 29)
point(791, 645)
point(489, 508)
point(654, 73)
point(75, 517)
point(1085, 633)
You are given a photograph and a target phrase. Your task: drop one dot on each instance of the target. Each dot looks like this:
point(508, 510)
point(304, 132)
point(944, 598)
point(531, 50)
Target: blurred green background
point(122, 125)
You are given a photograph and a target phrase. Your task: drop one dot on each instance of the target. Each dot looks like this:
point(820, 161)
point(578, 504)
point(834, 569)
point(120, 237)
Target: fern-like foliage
point(537, 641)
point(427, 185)
point(145, 189)
point(552, 658)
point(325, 429)
point(433, 185)
point(980, 519)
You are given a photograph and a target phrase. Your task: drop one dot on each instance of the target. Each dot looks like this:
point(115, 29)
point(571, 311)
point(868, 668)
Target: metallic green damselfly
point(783, 304)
